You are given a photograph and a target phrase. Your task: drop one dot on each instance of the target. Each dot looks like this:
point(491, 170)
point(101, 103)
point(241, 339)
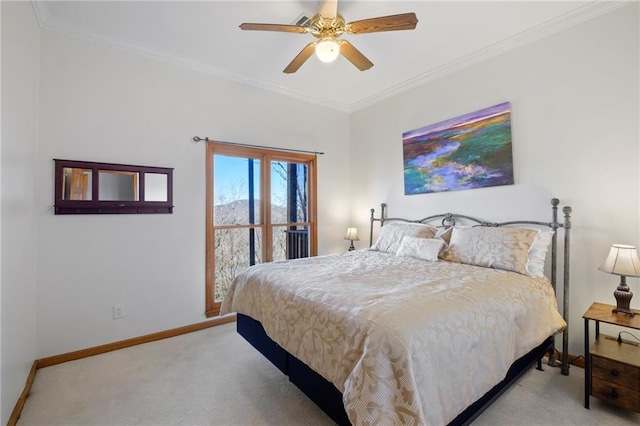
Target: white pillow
point(420, 248)
point(538, 253)
point(500, 248)
point(390, 236)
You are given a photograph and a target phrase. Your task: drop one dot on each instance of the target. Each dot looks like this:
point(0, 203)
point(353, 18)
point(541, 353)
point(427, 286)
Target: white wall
point(575, 121)
point(20, 68)
point(104, 104)
point(575, 117)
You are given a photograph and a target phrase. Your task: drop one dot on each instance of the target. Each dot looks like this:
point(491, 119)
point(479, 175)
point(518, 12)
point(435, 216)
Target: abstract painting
point(466, 152)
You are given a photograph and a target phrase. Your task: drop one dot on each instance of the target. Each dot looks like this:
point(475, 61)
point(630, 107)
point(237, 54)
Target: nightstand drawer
point(612, 369)
point(615, 394)
point(615, 372)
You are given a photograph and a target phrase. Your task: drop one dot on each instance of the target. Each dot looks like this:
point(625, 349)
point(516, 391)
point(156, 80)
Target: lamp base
point(623, 302)
point(623, 311)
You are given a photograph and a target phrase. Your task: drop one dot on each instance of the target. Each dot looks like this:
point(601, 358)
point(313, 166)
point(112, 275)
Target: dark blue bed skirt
point(326, 396)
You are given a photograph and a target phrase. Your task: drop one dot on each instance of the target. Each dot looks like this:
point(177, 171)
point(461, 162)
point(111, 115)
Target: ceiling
point(204, 35)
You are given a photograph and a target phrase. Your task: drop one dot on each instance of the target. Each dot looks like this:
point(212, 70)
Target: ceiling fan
point(327, 26)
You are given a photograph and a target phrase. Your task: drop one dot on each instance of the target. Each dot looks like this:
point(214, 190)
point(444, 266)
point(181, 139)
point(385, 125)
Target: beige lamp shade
point(622, 260)
point(352, 234)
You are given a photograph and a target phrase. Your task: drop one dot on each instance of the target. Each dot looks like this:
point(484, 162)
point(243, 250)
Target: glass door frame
point(266, 157)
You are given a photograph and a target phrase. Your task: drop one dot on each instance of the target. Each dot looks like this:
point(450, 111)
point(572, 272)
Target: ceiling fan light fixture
point(327, 26)
point(327, 49)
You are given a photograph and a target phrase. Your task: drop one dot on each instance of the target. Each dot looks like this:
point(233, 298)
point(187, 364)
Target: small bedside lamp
point(622, 260)
point(352, 234)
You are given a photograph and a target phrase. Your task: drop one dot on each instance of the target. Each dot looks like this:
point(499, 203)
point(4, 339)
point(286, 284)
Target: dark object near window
point(297, 243)
point(83, 187)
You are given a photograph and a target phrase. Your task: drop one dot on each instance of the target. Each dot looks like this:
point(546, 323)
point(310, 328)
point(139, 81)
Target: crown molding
point(41, 11)
point(577, 16)
point(46, 23)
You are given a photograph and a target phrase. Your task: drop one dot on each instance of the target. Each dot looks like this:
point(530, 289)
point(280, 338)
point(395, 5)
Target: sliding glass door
point(260, 207)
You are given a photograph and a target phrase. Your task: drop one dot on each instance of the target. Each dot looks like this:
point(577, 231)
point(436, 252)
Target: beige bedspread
point(405, 340)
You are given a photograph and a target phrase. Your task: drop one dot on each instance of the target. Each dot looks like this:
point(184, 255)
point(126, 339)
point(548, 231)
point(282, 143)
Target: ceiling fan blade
point(274, 27)
point(354, 55)
point(328, 8)
point(301, 58)
point(404, 21)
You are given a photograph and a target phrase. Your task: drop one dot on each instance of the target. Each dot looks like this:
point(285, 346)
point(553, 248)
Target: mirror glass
point(155, 187)
point(87, 187)
point(114, 185)
point(76, 184)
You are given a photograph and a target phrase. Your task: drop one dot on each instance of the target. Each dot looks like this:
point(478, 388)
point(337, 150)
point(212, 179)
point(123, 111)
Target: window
point(261, 206)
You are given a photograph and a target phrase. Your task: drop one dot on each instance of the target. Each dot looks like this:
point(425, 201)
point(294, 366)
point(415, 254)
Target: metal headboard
point(448, 220)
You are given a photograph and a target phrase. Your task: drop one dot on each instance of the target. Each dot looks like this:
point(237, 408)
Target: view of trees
point(240, 245)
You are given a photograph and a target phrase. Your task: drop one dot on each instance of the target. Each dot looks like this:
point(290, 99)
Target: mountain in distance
point(237, 212)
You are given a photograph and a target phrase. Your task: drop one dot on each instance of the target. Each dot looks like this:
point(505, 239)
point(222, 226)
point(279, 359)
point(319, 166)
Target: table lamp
point(622, 260)
point(352, 234)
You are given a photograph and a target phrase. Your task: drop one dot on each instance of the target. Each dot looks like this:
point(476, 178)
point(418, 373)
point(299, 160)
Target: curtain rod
point(199, 139)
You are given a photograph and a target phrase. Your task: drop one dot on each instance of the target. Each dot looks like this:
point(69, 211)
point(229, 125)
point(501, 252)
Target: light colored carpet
point(213, 377)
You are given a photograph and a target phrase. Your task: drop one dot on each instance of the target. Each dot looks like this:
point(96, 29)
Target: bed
point(427, 326)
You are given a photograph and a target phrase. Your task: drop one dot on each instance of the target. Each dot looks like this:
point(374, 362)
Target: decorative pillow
point(538, 253)
point(500, 248)
point(444, 234)
point(420, 248)
point(390, 236)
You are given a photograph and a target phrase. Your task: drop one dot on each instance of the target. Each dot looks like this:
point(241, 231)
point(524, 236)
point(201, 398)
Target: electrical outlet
point(118, 311)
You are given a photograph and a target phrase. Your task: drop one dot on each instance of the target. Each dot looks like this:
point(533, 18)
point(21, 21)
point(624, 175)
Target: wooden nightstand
point(612, 369)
